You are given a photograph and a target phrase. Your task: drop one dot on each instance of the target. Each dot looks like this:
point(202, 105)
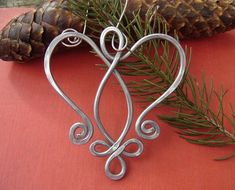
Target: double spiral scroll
point(114, 149)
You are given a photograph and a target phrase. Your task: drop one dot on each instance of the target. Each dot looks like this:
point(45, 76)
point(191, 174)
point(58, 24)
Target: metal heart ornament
point(147, 129)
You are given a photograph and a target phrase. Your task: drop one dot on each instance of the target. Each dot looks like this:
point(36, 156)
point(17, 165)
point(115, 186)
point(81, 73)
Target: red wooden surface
point(35, 152)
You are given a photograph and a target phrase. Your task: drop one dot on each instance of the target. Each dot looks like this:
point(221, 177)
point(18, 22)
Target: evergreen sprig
point(152, 72)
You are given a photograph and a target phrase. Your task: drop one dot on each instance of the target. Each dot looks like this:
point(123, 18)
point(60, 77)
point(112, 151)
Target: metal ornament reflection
point(114, 149)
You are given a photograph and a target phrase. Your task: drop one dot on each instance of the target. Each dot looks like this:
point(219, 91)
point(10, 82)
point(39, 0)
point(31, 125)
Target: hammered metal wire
point(114, 149)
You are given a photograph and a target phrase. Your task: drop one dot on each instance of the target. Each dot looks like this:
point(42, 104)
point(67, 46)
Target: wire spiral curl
point(71, 42)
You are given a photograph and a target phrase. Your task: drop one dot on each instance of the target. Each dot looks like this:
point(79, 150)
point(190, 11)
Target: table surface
point(35, 152)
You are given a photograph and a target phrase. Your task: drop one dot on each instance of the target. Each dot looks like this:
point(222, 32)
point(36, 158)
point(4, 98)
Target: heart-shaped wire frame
point(115, 148)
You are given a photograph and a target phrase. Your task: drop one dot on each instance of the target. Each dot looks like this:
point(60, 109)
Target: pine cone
point(28, 36)
point(192, 18)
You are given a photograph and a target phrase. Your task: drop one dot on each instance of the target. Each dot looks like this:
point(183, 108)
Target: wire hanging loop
point(117, 26)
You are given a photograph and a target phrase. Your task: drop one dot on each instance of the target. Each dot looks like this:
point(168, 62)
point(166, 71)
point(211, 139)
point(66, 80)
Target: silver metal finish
point(114, 148)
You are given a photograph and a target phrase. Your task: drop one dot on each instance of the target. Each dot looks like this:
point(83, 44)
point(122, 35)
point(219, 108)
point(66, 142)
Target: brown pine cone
point(192, 18)
point(28, 35)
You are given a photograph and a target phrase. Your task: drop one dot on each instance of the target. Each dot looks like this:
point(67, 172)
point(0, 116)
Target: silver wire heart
point(114, 148)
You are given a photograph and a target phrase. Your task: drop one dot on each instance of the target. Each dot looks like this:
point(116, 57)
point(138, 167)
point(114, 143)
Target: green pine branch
point(152, 72)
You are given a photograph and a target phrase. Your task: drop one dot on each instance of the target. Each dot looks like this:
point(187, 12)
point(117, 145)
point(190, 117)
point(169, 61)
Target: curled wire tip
point(84, 136)
point(71, 41)
point(148, 130)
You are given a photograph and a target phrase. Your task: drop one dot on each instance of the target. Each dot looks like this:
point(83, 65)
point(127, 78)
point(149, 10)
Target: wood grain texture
point(35, 153)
